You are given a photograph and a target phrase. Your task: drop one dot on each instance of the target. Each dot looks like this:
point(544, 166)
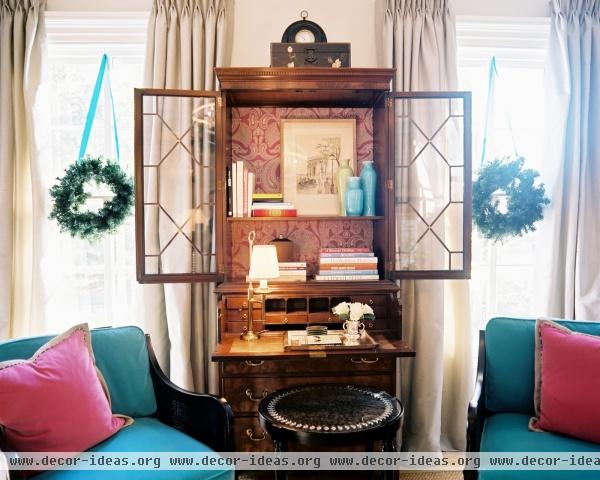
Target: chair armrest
point(207, 418)
point(476, 412)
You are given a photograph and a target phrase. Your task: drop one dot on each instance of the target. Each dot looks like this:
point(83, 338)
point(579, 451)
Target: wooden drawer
point(249, 436)
point(244, 394)
point(240, 327)
point(241, 315)
point(301, 367)
point(371, 300)
point(286, 318)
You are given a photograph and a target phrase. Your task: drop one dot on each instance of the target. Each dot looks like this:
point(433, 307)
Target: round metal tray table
point(331, 415)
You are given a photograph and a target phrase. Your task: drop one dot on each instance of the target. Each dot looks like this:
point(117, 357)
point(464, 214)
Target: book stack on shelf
point(347, 264)
point(271, 205)
point(292, 272)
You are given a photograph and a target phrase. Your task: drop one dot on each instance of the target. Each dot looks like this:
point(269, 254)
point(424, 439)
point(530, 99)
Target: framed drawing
point(312, 150)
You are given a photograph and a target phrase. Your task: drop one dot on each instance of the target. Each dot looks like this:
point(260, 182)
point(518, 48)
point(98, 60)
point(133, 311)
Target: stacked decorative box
point(347, 264)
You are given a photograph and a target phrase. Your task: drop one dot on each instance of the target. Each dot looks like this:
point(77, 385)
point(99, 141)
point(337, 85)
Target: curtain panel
point(568, 264)
point(419, 40)
point(186, 40)
point(22, 40)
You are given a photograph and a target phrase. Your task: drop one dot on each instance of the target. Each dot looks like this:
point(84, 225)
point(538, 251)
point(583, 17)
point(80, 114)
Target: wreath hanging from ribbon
point(507, 202)
point(68, 194)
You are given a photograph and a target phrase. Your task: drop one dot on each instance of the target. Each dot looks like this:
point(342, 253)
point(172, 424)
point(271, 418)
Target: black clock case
point(309, 54)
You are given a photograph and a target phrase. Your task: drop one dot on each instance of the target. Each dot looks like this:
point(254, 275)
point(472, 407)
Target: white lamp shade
point(263, 262)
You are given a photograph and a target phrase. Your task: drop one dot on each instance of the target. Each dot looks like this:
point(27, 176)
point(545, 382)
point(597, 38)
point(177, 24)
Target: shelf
point(323, 218)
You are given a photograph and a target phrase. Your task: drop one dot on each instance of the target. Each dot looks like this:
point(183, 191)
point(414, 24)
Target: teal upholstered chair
point(503, 402)
point(167, 418)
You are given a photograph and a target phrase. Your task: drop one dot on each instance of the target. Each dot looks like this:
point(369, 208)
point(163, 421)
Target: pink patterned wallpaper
point(256, 141)
point(256, 137)
point(307, 236)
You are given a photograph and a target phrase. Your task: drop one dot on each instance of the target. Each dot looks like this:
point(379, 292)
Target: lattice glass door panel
point(176, 195)
point(432, 178)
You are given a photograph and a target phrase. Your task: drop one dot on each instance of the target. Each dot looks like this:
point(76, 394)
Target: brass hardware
point(285, 320)
point(254, 363)
point(371, 324)
point(389, 101)
point(364, 360)
point(244, 316)
point(371, 301)
point(219, 102)
point(251, 397)
point(219, 185)
point(389, 184)
point(250, 435)
point(245, 329)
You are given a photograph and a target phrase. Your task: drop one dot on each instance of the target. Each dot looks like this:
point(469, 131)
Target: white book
point(250, 191)
point(240, 188)
point(272, 206)
point(348, 260)
point(234, 189)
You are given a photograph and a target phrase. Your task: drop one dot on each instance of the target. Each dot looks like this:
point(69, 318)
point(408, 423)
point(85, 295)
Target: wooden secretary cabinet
point(187, 140)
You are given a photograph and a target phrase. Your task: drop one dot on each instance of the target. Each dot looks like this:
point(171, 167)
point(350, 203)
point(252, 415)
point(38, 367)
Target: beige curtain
point(419, 41)
point(22, 40)
point(568, 262)
point(186, 40)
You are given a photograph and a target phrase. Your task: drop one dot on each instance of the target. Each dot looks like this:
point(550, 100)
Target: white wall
point(257, 23)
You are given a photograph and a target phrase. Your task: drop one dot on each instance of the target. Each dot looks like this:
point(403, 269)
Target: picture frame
point(311, 152)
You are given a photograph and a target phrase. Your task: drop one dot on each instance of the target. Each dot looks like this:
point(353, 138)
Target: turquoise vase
point(368, 183)
point(344, 171)
point(354, 197)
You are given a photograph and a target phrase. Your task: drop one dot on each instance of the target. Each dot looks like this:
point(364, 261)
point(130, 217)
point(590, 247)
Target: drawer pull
point(364, 360)
point(244, 316)
point(370, 325)
point(251, 397)
point(254, 363)
point(371, 302)
point(285, 320)
point(250, 435)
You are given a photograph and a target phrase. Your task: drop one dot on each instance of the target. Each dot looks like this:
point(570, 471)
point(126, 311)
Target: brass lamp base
point(249, 336)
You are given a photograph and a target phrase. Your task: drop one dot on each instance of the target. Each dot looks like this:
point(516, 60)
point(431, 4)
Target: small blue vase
point(354, 197)
point(368, 183)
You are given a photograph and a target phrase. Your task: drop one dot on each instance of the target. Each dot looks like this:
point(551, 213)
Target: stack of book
point(240, 190)
point(271, 205)
point(347, 264)
point(292, 272)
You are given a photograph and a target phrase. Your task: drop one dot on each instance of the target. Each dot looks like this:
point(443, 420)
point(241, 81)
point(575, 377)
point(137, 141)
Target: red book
point(345, 250)
point(275, 212)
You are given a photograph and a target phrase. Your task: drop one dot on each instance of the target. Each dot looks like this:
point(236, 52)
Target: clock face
point(304, 36)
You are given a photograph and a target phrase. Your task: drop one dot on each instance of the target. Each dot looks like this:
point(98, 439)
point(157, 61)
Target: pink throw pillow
point(567, 382)
point(57, 400)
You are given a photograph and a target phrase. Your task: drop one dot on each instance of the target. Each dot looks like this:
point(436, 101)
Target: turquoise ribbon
point(91, 114)
point(489, 112)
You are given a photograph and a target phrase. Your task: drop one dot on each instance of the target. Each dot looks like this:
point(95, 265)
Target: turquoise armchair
point(167, 418)
point(502, 405)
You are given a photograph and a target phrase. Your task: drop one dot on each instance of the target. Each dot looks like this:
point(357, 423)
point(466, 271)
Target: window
point(93, 282)
point(503, 274)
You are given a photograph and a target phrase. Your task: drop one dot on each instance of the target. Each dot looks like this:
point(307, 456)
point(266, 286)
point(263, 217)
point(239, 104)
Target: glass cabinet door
point(431, 151)
point(177, 199)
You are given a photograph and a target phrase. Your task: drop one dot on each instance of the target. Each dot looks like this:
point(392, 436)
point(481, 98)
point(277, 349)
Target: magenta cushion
point(57, 400)
point(567, 376)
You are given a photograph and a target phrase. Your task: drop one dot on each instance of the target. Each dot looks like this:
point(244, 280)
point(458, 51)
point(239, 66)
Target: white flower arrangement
point(353, 311)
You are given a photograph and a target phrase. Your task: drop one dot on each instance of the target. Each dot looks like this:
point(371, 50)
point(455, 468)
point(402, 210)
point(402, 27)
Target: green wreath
point(525, 200)
point(68, 197)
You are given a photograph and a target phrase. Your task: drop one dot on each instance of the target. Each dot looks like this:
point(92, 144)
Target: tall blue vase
point(368, 183)
point(354, 197)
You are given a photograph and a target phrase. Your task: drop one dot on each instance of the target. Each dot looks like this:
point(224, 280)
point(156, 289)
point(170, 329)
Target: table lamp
point(263, 267)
